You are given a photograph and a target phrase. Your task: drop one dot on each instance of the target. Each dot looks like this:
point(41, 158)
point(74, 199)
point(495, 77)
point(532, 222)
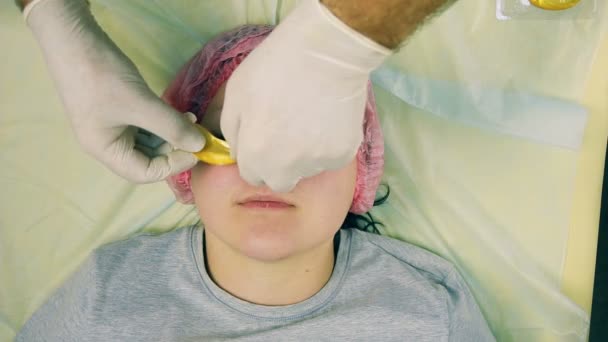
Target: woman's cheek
point(335, 182)
point(223, 176)
point(211, 181)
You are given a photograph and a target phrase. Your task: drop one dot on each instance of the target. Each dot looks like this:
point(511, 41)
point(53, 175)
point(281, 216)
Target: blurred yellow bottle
point(554, 5)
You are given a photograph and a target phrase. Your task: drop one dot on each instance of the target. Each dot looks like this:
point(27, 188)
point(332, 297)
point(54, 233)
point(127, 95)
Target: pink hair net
point(199, 80)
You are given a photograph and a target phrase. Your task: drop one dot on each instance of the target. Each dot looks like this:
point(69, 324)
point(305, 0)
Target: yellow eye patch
point(216, 151)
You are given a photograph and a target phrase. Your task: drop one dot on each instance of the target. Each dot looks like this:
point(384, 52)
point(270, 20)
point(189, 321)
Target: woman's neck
point(285, 282)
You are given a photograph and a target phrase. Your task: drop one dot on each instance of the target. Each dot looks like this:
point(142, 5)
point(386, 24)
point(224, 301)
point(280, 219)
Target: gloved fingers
point(148, 152)
point(139, 168)
point(283, 183)
point(145, 139)
point(191, 116)
point(230, 122)
point(153, 146)
point(165, 148)
point(176, 161)
point(266, 172)
point(143, 164)
point(152, 152)
point(124, 159)
point(249, 175)
point(170, 125)
point(338, 160)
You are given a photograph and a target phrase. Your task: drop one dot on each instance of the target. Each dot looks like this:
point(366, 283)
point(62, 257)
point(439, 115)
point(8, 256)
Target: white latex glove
point(106, 98)
point(295, 105)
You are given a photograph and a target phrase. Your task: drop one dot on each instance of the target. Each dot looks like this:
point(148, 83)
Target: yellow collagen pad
point(216, 151)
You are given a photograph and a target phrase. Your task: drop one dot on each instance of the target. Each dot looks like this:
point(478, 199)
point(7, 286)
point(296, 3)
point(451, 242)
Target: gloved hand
point(294, 107)
point(106, 98)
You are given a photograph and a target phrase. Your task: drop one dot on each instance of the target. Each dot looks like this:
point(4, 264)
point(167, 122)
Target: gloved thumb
point(179, 161)
point(166, 165)
point(172, 126)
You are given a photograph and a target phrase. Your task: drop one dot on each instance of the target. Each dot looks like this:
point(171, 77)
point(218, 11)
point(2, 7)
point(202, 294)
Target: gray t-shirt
point(156, 288)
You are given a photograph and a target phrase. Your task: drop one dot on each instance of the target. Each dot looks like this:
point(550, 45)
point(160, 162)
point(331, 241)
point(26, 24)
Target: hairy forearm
point(388, 22)
point(22, 3)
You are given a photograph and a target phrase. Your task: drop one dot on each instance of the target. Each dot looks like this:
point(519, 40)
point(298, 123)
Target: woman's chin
point(267, 244)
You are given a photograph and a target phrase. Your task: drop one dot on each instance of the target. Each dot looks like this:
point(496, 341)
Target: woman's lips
point(266, 205)
point(265, 202)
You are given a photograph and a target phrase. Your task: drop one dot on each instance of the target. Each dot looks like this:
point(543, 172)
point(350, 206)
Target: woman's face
point(311, 215)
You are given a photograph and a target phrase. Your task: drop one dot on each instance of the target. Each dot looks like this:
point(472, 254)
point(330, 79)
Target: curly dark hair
point(366, 222)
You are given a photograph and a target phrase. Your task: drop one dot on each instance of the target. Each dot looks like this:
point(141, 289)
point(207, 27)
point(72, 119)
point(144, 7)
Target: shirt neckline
point(284, 312)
